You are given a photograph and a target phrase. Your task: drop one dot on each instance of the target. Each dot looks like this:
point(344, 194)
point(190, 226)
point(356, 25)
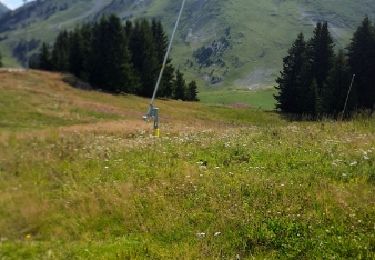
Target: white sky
point(12, 4)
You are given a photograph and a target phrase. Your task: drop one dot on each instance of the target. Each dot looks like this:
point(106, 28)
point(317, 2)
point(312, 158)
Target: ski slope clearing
point(81, 178)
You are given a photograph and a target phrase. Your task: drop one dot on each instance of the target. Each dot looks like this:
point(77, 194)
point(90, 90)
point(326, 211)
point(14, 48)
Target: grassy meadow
point(81, 178)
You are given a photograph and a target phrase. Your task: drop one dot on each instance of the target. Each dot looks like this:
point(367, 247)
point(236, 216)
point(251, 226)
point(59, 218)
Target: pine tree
point(361, 57)
point(180, 86)
point(111, 68)
point(144, 57)
point(76, 55)
point(161, 44)
point(1, 62)
point(290, 83)
point(167, 84)
point(86, 31)
point(321, 55)
point(60, 52)
point(337, 87)
point(45, 57)
point(192, 92)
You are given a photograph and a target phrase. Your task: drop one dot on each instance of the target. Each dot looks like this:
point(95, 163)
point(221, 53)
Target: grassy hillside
point(243, 40)
point(80, 178)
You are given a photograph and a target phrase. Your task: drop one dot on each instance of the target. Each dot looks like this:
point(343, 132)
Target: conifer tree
point(321, 55)
point(337, 87)
point(167, 84)
point(45, 57)
point(112, 70)
point(1, 62)
point(76, 55)
point(60, 52)
point(144, 57)
point(361, 57)
point(86, 37)
point(180, 86)
point(192, 91)
point(290, 84)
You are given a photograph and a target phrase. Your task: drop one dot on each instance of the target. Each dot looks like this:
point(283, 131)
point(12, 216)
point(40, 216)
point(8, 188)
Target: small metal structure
point(153, 112)
point(347, 97)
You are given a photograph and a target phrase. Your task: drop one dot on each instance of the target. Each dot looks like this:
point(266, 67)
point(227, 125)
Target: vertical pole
point(347, 97)
point(156, 122)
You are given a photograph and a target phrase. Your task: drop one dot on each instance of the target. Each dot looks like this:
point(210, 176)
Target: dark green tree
point(76, 55)
point(180, 86)
point(144, 57)
point(290, 85)
point(337, 87)
point(111, 70)
point(1, 62)
point(192, 92)
point(320, 54)
point(60, 52)
point(361, 58)
point(167, 84)
point(45, 57)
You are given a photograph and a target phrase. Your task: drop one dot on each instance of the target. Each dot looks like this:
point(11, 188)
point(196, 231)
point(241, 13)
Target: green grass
point(262, 99)
point(220, 182)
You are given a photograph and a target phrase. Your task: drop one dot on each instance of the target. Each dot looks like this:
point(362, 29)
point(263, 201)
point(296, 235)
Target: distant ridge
point(3, 9)
point(239, 43)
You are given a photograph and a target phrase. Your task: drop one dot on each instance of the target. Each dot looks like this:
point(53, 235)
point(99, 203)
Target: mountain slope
point(80, 178)
point(236, 42)
point(3, 9)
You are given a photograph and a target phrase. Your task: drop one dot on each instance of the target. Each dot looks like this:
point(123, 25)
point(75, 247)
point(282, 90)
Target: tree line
point(315, 79)
point(117, 58)
point(1, 62)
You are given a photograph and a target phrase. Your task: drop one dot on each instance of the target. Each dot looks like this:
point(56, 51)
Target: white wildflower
point(201, 234)
point(217, 234)
point(354, 163)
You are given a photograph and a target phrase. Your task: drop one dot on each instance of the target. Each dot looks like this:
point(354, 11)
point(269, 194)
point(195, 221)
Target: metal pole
point(153, 111)
point(347, 97)
point(167, 54)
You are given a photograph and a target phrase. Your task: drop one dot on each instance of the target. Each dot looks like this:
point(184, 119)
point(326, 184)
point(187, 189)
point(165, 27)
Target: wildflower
point(106, 167)
point(344, 175)
point(282, 184)
point(298, 234)
point(28, 236)
point(217, 234)
point(201, 234)
point(354, 163)
point(298, 215)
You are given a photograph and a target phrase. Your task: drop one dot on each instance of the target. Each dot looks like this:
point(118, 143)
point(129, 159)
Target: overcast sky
point(12, 4)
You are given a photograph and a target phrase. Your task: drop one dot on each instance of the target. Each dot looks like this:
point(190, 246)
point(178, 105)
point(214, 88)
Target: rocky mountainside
point(236, 42)
point(3, 9)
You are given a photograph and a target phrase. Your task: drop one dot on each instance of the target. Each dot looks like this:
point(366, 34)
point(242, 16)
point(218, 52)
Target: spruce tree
point(290, 86)
point(144, 57)
point(321, 54)
point(1, 62)
point(337, 87)
point(111, 70)
point(180, 86)
point(361, 57)
point(60, 52)
point(167, 84)
point(192, 92)
point(76, 55)
point(45, 57)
